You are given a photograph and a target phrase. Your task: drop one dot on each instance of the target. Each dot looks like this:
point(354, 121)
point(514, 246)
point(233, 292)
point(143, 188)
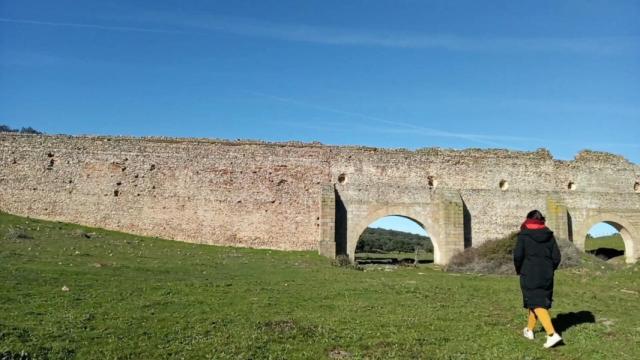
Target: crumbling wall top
point(541, 154)
point(600, 156)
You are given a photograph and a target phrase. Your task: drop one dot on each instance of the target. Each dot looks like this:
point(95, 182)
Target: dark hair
point(535, 214)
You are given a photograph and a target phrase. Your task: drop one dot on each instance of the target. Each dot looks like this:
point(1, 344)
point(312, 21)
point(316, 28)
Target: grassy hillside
point(606, 247)
point(132, 297)
point(609, 241)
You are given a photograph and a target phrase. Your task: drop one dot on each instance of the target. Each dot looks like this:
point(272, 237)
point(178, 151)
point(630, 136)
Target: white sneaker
point(527, 333)
point(552, 340)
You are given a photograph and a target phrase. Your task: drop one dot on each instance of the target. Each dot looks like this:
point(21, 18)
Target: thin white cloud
point(374, 124)
point(88, 26)
point(352, 37)
point(380, 125)
point(393, 39)
point(563, 106)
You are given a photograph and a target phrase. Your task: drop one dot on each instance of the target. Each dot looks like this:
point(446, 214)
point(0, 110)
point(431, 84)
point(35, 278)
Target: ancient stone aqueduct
point(294, 196)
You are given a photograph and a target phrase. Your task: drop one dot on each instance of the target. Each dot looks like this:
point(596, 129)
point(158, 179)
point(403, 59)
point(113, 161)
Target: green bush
point(500, 249)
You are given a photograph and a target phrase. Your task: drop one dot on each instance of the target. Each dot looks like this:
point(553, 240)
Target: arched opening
point(605, 241)
point(394, 240)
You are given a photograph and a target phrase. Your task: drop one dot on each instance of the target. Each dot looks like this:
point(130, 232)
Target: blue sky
point(564, 75)
point(404, 224)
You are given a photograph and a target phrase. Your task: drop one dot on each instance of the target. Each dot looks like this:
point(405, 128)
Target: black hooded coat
point(536, 257)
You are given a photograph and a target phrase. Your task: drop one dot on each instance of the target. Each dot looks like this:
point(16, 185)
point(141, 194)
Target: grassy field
point(609, 247)
point(394, 257)
point(131, 297)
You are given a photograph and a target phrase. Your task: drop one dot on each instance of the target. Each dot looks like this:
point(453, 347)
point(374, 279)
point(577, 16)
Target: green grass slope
point(133, 297)
point(608, 241)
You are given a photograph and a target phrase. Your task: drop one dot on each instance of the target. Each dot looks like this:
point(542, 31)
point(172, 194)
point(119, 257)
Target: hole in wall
point(116, 193)
point(119, 183)
point(636, 187)
point(504, 185)
point(431, 181)
point(152, 167)
point(50, 154)
point(571, 185)
point(342, 178)
point(51, 162)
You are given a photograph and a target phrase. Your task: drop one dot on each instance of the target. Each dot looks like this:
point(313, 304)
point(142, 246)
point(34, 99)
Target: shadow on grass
point(564, 321)
point(606, 253)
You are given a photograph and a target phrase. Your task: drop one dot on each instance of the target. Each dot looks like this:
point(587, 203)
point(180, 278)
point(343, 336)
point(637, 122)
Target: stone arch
point(412, 213)
point(630, 235)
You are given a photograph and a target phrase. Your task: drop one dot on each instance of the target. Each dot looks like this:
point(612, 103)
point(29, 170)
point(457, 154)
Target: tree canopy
point(384, 240)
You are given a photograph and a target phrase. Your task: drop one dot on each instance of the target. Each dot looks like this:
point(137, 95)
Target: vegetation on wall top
point(23, 130)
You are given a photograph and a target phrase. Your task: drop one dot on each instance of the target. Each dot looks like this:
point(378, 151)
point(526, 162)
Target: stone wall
point(240, 194)
point(297, 196)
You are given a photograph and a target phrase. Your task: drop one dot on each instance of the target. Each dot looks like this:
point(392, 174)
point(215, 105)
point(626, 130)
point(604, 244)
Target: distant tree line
point(23, 130)
point(614, 236)
point(383, 240)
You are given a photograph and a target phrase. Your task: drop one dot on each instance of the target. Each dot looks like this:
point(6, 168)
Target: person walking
point(536, 257)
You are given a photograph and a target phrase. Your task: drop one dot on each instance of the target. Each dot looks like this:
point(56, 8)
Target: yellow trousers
point(544, 317)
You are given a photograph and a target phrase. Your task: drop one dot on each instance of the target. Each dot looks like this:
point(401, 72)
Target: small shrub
point(343, 261)
point(407, 262)
point(17, 234)
point(492, 257)
point(571, 256)
point(499, 249)
point(496, 257)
